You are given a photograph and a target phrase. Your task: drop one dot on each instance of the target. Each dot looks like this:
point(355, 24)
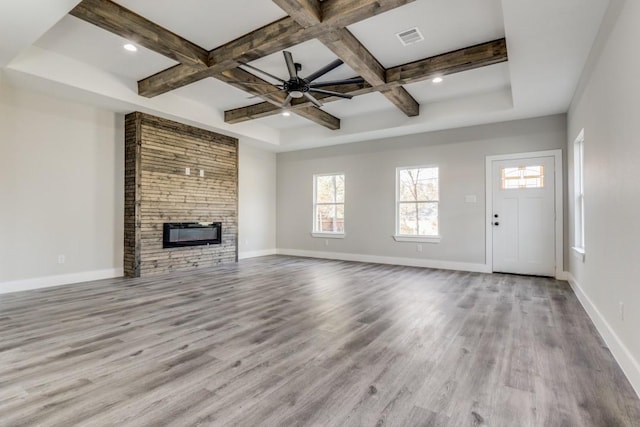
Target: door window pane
point(523, 177)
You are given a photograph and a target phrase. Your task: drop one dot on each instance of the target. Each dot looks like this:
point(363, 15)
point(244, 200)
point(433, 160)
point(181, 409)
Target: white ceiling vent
point(410, 36)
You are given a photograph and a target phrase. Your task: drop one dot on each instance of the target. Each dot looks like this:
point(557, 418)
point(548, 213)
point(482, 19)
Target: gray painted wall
point(607, 107)
point(370, 188)
point(257, 201)
point(62, 168)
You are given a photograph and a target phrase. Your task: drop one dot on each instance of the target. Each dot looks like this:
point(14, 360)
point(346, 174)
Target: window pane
point(339, 179)
point(324, 218)
point(325, 191)
point(330, 219)
point(418, 184)
point(428, 219)
point(523, 177)
point(407, 219)
point(339, 222)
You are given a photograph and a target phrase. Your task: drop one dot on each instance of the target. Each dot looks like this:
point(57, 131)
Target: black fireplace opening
point(179, 234)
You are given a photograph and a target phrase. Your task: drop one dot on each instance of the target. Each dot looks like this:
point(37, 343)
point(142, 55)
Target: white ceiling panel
point(312, 55)
point(85, 42)
point(216, 94)
point(208, 24)
point(446, 25)
point(359, 105)
point(278, 121)
point(456, 85)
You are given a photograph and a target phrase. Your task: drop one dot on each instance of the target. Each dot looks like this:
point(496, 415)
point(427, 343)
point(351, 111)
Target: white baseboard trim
point(409, 262)
point(61, 279)
point(255, 254)
point(621, 353)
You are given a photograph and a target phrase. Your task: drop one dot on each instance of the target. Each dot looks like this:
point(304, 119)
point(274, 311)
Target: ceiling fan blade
point(262, 72)
point(324, 70)
point(291, 66)
point(331, 93)
point(287, 101)
point(354, 80)
point(312, 99)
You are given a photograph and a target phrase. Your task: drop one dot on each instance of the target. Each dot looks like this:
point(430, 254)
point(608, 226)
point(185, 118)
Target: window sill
point(328, 235)
point(417, 239)
point(579, 252)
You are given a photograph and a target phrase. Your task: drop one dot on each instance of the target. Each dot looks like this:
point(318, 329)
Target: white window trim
point(426, 238)
point(578, 188)
point(324, 234)
point(417, 239)
point(328, 235)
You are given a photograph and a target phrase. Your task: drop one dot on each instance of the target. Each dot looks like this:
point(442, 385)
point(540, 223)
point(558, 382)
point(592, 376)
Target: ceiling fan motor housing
point(296, 87)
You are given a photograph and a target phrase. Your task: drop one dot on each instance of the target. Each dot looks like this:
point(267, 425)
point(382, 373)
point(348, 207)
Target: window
point(523, 177)
point(578, 182)
point(417, 198)
point(328, 205)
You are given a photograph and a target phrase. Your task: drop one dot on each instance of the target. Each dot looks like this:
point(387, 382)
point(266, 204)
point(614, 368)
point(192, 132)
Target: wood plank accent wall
point(157, 151)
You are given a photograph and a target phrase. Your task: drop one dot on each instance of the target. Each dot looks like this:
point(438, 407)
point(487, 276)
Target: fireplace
point(179, 234)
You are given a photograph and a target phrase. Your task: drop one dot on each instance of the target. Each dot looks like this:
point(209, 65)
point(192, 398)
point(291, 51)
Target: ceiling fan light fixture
point(296, 94)
point(130, 47)
point(437, 80)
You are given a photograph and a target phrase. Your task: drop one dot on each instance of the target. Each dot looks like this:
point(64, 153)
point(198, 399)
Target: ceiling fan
point(299, 87)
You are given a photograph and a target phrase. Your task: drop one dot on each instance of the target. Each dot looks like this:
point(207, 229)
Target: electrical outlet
point(61, 259)
point(418, 248)
point(202, 173)
point(187, 171)
point(621, 311)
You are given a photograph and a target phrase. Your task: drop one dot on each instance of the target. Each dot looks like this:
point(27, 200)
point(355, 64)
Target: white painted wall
point(61, 190)
point(257, 201)
point(370, 191)
point(607, 106)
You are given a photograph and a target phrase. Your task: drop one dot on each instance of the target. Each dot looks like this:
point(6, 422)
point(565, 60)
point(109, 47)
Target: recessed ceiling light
point(130, 47)
point(286, 113)
point(437, 80)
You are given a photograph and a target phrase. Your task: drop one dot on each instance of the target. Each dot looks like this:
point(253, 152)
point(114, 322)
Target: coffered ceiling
point(81, 56)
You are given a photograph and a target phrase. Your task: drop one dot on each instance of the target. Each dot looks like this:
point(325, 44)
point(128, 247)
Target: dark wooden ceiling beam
point(133, 27)
point(469, 58)
point(195, 60)
point(305, 12)
point(238, 77)
point(265, 109)
point(319, 116)
point(351, 51)
point(262, 42)
point(358, 57)
point(342, 13)
point(271, 38)
point(478, 56)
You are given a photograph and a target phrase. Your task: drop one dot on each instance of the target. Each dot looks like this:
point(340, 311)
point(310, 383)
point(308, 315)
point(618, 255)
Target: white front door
point(523, 219)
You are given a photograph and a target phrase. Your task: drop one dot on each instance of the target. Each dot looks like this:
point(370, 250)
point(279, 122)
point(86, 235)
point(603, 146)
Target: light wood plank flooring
point(283, 341)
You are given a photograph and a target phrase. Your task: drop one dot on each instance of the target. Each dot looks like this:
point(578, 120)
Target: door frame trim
point(559, 204)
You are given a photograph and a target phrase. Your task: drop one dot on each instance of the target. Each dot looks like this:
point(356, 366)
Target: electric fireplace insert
point(179, 234)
